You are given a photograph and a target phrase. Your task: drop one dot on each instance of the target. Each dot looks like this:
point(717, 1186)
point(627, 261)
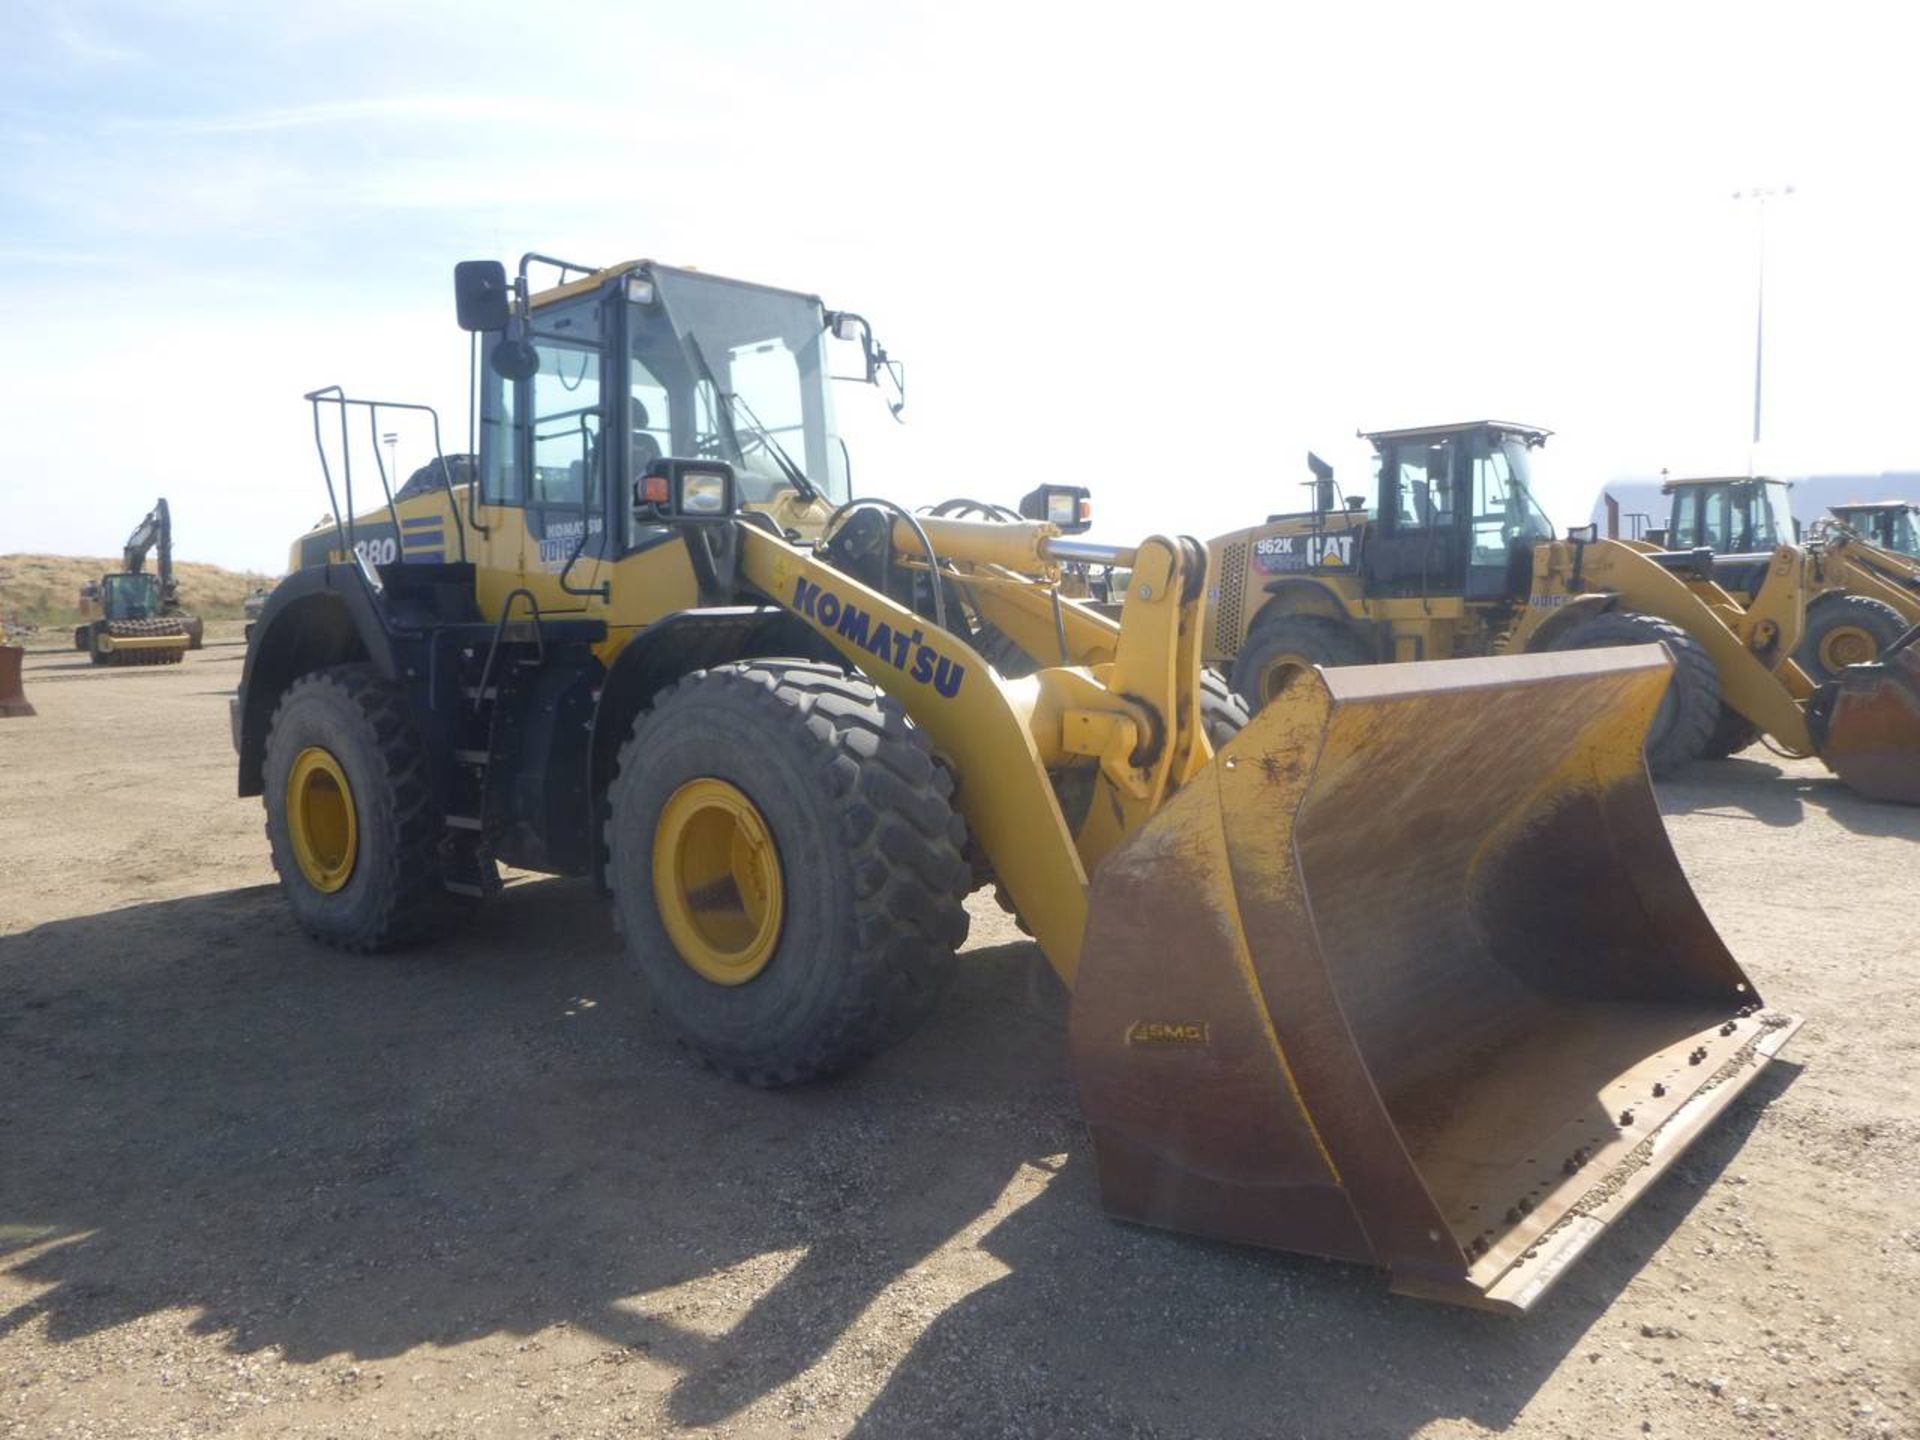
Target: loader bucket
point(13, 694)
point(1411, 976)
point(1867, 723)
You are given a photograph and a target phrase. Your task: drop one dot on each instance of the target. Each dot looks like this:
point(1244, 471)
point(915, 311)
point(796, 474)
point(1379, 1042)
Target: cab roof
point(594, 279)
point(1858, 505)
point(1533, 434)
point(1688, 481)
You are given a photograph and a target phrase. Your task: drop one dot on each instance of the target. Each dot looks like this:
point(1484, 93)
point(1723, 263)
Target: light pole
point(1760, 197)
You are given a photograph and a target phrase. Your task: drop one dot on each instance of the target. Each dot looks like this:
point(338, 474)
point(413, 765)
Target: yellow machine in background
point(134, 616)
point(1855, 611)
point(1458, 560)
point(1331, 990)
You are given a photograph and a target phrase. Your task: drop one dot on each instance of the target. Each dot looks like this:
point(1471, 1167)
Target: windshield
point(1727, 517)
point(132, 597)
point(738, 373)
point(1504, 510)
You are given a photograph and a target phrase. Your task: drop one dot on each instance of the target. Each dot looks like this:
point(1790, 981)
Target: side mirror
point(514, 359)
point(481, 299)
point(674, 489)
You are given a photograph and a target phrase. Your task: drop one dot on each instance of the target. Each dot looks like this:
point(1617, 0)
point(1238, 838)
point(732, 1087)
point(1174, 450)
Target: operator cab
point(1887, 523)
point(1729, 515)
point(587, 385)
point(130, 597)
point(1455, 513)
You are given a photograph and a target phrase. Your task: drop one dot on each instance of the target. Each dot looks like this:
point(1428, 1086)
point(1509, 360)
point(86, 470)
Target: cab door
point(1419, 540)
point(547, 453)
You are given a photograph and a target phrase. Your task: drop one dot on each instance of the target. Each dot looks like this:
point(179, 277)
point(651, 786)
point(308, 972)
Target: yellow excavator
point(1401, 971)
point(1457, 559)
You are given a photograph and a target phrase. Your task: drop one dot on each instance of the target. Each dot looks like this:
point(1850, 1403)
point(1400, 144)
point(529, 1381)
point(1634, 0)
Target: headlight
point(703, 493)
point(1063, 510)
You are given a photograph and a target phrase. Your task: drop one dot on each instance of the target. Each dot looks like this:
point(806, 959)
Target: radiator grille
point(1229, 620)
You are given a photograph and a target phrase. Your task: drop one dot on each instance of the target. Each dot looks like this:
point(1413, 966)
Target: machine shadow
point(335, 1155)
point(1777, 799)
point(339, 1155)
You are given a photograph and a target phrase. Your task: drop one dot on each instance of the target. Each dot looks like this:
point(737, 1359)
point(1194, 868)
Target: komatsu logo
point(907, 653)
point(1167, 1032)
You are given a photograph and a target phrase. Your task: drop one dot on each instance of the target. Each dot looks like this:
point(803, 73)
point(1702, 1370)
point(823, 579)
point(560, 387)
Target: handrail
point(344, 528)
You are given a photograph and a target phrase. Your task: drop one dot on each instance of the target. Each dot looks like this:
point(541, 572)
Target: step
point(472, 757)
point(474, 692)
point(464, 822)
point(463, 887)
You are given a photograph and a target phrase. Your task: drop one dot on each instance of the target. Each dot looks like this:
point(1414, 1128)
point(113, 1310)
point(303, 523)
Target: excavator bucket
point(1867, 723)
point(13, 694)
point(1411, 976)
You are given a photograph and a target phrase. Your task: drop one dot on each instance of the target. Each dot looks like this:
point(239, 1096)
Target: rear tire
point(1281, 648)
point(392, 894)
point(1845, 630)
point(871, 877)
point(1689, 712)
point(1223, 714)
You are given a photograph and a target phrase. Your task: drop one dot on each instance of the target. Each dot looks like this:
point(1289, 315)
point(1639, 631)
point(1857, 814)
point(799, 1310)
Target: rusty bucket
point(1411, 976)
point(1867, 723)
point(13, 695)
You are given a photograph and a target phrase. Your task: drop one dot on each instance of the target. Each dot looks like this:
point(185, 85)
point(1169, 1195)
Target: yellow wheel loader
point(1458, 560)
point(1331, 990)
point(1854, 609)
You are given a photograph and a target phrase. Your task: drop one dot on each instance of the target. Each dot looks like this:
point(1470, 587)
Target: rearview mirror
point(480, 296)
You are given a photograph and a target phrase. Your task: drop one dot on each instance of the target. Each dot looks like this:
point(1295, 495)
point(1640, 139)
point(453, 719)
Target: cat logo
point(1167, 1032)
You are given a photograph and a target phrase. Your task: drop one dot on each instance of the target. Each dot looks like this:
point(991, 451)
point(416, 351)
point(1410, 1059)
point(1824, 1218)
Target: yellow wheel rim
point(1281, 673)
point(717, 881)
point(1847, 645)
point(320, 820)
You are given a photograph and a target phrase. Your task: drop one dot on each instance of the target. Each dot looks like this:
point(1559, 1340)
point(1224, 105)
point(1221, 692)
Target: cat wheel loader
point(1855, 609)
point(1457, 559)
point(1331, 991)
point(135, 617)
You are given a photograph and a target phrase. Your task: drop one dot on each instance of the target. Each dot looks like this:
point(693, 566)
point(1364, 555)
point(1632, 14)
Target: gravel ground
point(251, 1187)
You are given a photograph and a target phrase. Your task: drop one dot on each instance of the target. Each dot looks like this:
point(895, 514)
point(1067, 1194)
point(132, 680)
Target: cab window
point(1423, 481)
point(565, 423)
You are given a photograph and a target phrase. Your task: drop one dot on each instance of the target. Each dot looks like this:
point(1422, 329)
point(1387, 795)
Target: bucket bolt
point(1697, 1056)
point(1626, 1118)
point(1728, 1028)
point(1658, 1089)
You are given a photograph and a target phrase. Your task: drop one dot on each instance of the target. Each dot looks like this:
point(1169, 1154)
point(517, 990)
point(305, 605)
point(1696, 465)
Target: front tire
point(786, 868)
point(1689, 715)
point(1845, 630)
point(350, 815)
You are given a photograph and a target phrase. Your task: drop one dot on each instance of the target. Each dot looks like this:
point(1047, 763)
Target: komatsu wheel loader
point(135, 616)
point(1457, 559)
point(1332, 990)
point(1854, 610)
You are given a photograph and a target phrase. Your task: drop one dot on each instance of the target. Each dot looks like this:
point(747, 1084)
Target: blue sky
point(1158, 250)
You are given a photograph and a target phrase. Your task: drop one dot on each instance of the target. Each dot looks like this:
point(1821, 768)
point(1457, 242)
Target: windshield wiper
point(794, 475)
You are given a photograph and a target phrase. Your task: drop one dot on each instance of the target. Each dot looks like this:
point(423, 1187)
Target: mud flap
point(13, 694)
point(1867, 723)
point(1411, 976)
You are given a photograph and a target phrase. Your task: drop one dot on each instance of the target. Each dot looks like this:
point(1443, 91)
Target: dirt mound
point(44, 590)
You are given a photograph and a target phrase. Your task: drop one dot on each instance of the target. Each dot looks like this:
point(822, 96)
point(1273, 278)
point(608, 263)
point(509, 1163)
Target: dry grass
point(44, 590)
